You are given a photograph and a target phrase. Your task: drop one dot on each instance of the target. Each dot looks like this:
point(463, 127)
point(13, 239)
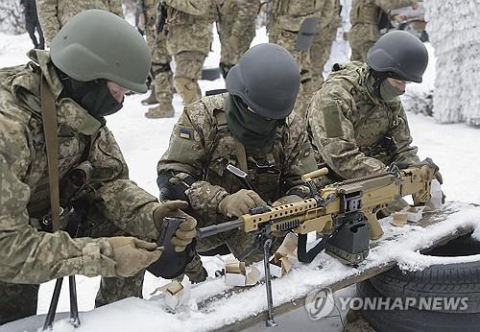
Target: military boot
point(163, 110)
point(151, 99)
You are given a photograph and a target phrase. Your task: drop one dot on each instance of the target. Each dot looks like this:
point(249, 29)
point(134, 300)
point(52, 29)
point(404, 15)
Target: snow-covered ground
point(455, 148)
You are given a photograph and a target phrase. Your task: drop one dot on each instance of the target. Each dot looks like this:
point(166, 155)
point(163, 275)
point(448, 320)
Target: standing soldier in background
point(32, 24)
point(323, 40)
point(236, 29)
point(284, 29)
point(189, 27)
point(53, 14)
point(366, 17)
point(162, 85)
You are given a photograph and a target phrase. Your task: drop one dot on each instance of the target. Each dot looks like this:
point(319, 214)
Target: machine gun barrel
point(220, 228)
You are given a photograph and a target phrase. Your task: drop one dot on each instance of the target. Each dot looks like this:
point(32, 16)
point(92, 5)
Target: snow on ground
point(453, 147)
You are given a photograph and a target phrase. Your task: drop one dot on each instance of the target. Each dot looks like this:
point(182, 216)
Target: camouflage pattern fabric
point(352, 131)
point(163, 76)
point(17, 301)
point(364, 17)
point(286, 19)
point(202, 148)
point(117, 206)
point(236, 23)
point(53, 14)
point(323, 40)
point(189, 37)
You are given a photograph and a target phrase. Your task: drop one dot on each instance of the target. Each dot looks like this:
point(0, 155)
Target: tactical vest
point(265, 165)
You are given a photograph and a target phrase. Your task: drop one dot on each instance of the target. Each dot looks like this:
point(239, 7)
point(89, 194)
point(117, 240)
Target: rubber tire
point(449, 281)
point(414, 320)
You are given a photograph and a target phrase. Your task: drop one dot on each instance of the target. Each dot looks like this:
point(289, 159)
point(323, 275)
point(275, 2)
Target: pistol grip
point(374, 227)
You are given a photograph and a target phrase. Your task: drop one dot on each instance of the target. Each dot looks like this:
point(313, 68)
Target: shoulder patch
point(184, 132)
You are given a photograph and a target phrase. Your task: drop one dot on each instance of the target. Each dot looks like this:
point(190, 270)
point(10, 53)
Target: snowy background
point(454, 147)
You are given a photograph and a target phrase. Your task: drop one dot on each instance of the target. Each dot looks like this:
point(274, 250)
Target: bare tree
point(11, 17)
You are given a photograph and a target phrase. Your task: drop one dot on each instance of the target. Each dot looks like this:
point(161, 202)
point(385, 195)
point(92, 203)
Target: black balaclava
point(93, 96)
point(248, 127)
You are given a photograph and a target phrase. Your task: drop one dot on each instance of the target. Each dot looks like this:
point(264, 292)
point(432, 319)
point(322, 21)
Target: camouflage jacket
point(368, 11)
point(189, 24)
point(53, 14)
point(27, 254)
point(202, 146)
point(352, 131)
point(289, 14)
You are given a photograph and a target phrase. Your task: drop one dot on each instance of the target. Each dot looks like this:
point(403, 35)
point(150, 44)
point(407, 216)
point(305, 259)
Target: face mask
point(95, 97)
point(249, 128)
point(388, 92)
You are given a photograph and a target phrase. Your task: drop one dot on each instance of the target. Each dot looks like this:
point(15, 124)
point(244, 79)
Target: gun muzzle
point(220, 228)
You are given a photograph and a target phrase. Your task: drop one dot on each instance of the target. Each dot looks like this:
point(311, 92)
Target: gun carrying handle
point(308, 257)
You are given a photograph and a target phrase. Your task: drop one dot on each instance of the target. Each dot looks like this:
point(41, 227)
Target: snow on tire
point(449, 281)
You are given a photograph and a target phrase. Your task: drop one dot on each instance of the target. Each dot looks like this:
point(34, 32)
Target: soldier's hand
point(186, 230)
point(132, 254)
point(168, 209)
point(185, 233)
point(439, 177)
point(240, 203)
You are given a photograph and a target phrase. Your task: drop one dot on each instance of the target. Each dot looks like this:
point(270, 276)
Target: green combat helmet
point(267, 79)
point(399, 54)
point(97, 44)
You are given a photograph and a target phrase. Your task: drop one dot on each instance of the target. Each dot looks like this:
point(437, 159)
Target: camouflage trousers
point(242, 245)
point(187, 72)
point(162, 73)
point(320, 53)
point(361, 38)
point(230, 54)
point(20, 300)
point(288, 39)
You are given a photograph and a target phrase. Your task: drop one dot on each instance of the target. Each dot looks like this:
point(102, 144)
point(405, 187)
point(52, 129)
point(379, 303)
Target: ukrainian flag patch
point(185, 133)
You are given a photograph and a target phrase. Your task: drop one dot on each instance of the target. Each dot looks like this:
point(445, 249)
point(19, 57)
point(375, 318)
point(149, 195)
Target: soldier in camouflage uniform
point(365, 18)
point(246, 128)
point(162, 85)
point(53, 14)
point(236, 25)
point(189, 37)
point(113, 208)
point(356, 120)
point(286, 20)
point(323, 40)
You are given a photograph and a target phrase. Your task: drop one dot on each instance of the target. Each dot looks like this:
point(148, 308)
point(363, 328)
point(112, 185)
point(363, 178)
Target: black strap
point(308, 257)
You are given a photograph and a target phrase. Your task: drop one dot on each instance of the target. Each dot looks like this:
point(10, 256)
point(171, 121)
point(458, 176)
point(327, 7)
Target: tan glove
point(240, 203)
point(132, 254)
point(186, 231)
